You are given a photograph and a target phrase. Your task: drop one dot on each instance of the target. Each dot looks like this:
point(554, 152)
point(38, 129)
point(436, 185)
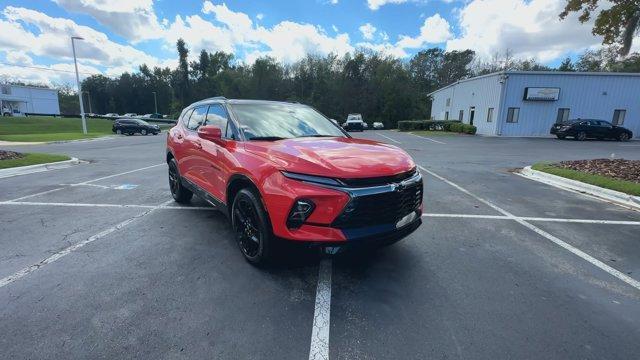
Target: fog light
point(299, 213)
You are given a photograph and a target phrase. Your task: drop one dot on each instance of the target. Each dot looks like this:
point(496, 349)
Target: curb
point(30, 169)
point(613, 196)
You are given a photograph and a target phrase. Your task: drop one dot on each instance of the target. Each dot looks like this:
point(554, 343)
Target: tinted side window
point(197, 118)
point(217, 116)
point(185, 117)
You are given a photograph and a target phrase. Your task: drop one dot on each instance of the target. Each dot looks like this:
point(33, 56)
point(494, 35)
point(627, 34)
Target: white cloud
point(335, 28)
point(367, 31)
point(528, 28)
point(19, 58)
point(434, 30)
point(53, 39)
point(376, 4)
point(260, 16)
point(333, 2)
point(135, 20)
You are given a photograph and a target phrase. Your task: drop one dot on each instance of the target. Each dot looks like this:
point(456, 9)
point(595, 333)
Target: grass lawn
point(48, 128)
point(32, 159)
point(433, 133)
point(627, 187)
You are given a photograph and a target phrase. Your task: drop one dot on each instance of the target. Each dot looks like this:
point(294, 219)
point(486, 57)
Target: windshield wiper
point(267, 138)
point(316, 135)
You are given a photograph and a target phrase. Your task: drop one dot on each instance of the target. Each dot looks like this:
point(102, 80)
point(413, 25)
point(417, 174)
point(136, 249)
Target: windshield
point(282, 121)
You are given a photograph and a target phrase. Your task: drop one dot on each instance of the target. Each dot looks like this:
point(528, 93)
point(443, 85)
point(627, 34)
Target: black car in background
point(132, 126)
point(582, 129)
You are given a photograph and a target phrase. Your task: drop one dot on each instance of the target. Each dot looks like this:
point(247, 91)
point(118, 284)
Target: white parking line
point(622, 276)
point(319, 349)
point(66, 251)
point(541, 219)
point(388, 138)
point(85, 182)
point(131, 206)
point(430, 139)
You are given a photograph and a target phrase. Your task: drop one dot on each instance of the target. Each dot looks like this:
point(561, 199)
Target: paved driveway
point(96, 261)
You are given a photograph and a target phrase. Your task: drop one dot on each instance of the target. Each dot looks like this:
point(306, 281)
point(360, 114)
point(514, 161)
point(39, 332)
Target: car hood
point(334, 157)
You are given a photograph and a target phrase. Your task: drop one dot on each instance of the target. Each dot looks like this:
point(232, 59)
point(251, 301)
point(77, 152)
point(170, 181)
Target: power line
point(48, 69)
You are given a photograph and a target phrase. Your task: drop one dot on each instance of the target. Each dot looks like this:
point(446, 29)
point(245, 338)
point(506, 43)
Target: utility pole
point(75, 62)
point(155, 101)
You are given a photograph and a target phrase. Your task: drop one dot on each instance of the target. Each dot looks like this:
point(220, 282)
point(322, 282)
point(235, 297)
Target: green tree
point(617, 24)
point(566, 65)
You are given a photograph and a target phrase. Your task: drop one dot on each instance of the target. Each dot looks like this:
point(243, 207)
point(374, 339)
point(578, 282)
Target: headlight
point(312, 179)
point(299, 213)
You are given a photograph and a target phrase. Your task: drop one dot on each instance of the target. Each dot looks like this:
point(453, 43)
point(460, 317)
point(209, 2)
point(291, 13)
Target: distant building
point(528, 103)
point(19, 99)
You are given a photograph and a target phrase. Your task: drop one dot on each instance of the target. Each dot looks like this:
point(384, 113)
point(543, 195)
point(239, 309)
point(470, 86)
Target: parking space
point(97, 261)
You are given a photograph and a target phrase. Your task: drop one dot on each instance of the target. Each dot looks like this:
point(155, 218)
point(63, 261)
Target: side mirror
point(210, 132)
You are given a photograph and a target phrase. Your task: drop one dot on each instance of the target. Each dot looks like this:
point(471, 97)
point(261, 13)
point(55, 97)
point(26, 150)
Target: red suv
point(284, 171)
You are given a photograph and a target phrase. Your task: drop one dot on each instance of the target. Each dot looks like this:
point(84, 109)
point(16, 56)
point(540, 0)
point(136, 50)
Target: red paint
point(211, 162)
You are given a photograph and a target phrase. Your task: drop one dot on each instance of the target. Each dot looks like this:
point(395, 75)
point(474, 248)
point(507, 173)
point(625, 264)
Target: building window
point(461, 115)
point(490, 115)
point(5, 89)
point(618, 117)
point(446, 115)
point(448, 101)
point(513, 114)
point(563, 115)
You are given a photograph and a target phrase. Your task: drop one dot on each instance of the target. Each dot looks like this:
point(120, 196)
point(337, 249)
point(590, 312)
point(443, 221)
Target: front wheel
point(581, 136)
point(623, 137)
point(561, 137)
point(180, 194)
point(143, 132)
point(251, 226)
point(119, 132)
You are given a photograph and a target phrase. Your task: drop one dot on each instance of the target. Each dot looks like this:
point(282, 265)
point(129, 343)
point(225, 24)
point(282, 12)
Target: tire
point(143, 132)
point(561, 137)
point(581, 136)
point(119, 132)
point(155, 133)
point(129, 134)
point(180, 194)
point(623, 137)
point(251, 226)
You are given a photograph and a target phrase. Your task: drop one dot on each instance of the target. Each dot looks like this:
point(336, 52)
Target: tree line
point(380, 87)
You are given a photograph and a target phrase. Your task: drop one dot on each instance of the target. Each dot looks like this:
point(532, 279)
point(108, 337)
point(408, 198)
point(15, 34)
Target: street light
point(89, 98)
point(155, 101)
point(75, 62)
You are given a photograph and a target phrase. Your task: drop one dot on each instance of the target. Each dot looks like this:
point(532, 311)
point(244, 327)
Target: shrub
point(469, 129)
point(433, 125)
point(456, 127)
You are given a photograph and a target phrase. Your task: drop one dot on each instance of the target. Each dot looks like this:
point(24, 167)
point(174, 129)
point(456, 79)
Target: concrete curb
point(613, 196)
point(30, 169)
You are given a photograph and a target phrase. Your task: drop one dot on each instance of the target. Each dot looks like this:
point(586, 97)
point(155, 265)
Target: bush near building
point(436, 125)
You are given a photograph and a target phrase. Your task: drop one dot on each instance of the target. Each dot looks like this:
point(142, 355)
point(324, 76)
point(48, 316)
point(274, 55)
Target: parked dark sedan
point(132, 126)
point(582, 129)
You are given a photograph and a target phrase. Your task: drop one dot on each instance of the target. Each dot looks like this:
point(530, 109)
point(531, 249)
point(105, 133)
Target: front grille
point(383, 208)
point(382, 180)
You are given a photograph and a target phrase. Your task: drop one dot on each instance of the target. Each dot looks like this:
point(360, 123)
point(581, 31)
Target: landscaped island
point(9, 159)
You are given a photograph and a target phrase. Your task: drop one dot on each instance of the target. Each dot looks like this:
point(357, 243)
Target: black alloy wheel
point(581, 136)
point(250, 224)
point(180, 194)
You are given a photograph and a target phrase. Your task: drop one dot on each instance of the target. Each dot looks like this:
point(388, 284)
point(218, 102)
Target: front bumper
point(348, 214)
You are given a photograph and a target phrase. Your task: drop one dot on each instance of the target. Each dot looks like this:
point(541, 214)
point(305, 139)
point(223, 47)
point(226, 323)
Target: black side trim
point(203, 194)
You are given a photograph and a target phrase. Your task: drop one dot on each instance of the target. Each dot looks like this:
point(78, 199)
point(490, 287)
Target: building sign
point(541, 94)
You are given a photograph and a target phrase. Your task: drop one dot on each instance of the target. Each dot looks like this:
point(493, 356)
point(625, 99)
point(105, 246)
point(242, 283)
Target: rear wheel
point(623, 137)
point(251, 225)
point(581, 136)
point(180, 194)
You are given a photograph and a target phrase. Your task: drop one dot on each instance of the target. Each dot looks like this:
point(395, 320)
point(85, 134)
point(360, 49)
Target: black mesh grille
point(377, 209)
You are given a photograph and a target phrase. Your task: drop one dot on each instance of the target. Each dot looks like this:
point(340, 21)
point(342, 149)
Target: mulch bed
point(619, 168)
point(9, 155)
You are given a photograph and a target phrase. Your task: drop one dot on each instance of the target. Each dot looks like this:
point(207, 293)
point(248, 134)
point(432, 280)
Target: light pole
point(155, 101)
point(89, 98)
point(75, 62)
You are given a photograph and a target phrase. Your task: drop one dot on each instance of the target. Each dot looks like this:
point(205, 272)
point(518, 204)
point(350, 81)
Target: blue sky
point(122, 34)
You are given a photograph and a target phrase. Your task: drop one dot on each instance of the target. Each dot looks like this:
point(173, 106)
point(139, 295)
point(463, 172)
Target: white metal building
point(19, 99)
point(528, 103)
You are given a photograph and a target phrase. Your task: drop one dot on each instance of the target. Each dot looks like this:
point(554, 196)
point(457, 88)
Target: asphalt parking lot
point(97, 261)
